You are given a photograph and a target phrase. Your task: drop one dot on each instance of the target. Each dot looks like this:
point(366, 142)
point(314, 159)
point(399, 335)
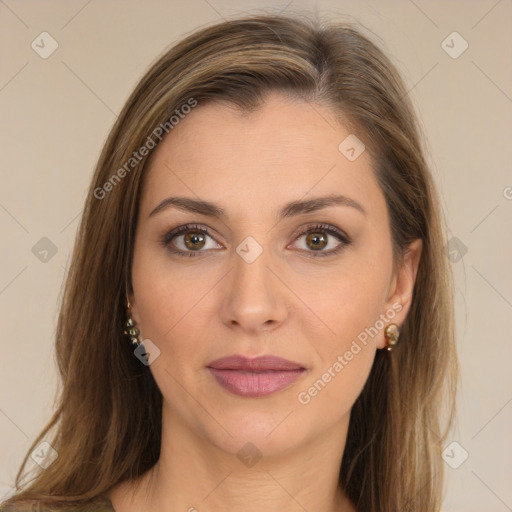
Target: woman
point(259, 312)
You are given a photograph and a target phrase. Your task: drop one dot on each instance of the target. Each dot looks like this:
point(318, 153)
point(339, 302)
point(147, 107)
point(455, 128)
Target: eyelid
point(331, 230)
point(168, 236)
point(322, 226)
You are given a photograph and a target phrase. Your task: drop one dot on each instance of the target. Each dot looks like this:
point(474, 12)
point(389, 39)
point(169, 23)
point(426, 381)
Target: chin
point(259, 432)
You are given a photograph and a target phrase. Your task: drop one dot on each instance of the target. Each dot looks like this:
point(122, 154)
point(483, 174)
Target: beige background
point(56, 113)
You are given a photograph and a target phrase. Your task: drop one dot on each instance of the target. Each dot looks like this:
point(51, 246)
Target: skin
point(287, 303)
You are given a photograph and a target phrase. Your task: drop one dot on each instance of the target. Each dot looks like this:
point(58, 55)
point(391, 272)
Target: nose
point(254, 295)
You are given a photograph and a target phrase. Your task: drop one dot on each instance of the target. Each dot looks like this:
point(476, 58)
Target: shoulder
point(96, 505)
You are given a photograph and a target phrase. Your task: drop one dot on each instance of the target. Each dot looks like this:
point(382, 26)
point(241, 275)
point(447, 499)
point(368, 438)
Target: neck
point(195, 475)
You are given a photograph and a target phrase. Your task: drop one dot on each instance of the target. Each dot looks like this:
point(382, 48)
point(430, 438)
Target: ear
point(400, 292)
point(133, 307)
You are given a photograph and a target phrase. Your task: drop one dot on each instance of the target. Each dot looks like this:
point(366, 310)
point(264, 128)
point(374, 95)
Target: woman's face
point(273, 275)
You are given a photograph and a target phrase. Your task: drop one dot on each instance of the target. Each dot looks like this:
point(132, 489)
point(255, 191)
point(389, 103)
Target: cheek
point(345, 349)
point(330, 394)
point(171, 305)
point(344, 343)
point(340, 306)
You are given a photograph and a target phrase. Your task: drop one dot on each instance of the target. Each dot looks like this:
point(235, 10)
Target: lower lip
point(255, 384)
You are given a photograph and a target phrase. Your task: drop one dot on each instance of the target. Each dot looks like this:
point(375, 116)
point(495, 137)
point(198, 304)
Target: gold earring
point(391, 333)
point(130, 329)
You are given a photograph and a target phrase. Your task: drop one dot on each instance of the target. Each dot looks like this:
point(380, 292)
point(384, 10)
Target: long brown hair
point(107, 424)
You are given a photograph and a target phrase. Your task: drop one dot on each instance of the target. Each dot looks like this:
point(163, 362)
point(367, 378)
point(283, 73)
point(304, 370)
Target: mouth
point(258, 377)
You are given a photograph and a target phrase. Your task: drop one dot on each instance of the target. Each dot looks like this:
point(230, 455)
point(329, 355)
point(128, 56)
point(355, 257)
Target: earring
point(391, 333)
point(130, 329)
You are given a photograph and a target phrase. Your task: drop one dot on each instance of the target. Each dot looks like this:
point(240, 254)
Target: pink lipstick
point(256, 377)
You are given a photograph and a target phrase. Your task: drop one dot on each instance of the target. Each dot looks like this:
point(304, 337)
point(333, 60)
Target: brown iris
point(194, 240)
point(318, 240)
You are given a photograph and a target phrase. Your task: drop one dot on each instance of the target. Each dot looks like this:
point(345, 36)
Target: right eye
point(187, 240)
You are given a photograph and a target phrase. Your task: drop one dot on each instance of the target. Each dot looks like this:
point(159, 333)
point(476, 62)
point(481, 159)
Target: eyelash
point(324, 228)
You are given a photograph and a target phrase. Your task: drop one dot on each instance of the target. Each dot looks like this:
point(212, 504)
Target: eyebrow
point(289, 210)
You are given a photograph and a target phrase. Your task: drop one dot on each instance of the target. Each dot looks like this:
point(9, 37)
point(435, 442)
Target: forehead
point(285, 150)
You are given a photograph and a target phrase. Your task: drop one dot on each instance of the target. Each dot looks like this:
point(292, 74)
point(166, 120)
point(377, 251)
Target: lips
point(262, 363)
point(256, 377)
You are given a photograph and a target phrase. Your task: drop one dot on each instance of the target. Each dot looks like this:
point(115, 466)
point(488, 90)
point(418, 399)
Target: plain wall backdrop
point(57, 109)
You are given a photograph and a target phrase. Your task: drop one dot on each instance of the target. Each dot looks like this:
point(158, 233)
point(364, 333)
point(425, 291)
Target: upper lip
point(261, 363)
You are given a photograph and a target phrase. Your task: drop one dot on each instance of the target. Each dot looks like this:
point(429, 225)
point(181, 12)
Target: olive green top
point(100, 504)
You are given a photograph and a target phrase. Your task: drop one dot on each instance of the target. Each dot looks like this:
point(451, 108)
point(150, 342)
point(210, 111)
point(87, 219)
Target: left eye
point(317, 238)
